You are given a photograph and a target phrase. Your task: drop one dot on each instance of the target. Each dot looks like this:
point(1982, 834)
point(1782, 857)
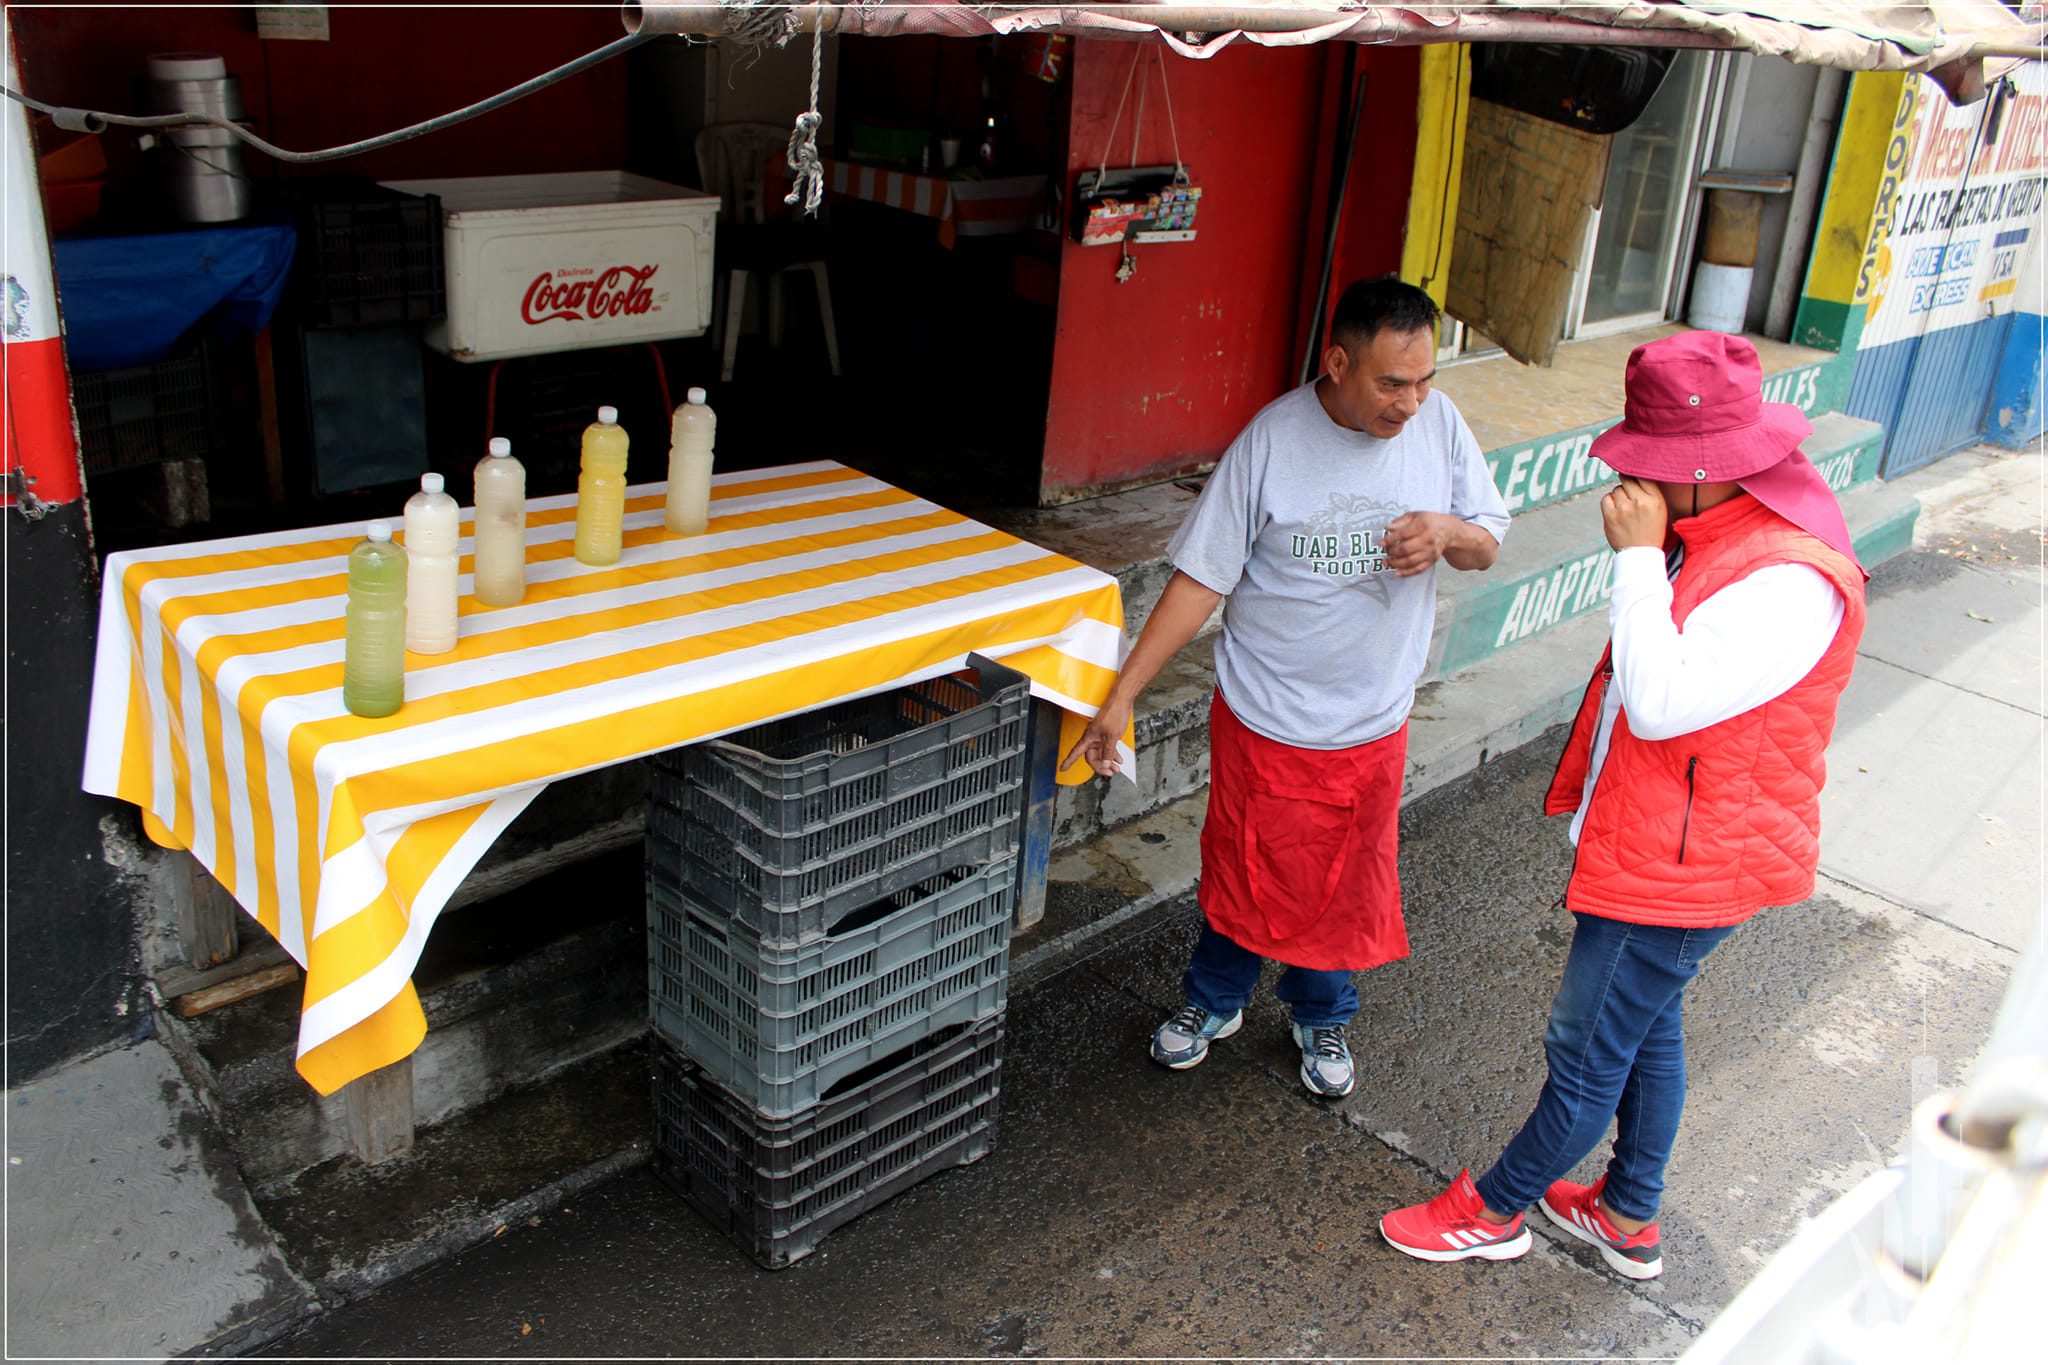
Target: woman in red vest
point(1692, 776)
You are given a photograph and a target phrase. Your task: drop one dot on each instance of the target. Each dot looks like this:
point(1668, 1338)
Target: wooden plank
point(209, 921)
point(196, 1003)
point(379, 1112)
point(1041, 792)
point(494, 878)
point(262, 953)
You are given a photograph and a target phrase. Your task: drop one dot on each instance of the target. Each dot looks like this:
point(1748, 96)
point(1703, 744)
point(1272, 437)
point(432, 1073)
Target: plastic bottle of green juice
point(373, 646)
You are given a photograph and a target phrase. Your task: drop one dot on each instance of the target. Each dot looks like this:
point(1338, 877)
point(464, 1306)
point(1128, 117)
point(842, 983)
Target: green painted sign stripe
point(1532, 474)
point(1500, 615)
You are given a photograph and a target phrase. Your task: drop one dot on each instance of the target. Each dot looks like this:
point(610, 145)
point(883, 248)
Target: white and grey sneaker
point(1325, 1060)
point(1183, 1041)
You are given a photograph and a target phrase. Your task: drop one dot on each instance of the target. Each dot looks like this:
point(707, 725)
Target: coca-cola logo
point(621, 291)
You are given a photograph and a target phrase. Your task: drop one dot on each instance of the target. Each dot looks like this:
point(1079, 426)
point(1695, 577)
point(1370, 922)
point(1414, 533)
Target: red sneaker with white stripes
point(1576, 1209)
point(1451, 1227)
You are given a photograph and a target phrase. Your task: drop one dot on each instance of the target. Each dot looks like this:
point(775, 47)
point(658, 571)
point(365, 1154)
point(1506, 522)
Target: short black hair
point(1369, 307)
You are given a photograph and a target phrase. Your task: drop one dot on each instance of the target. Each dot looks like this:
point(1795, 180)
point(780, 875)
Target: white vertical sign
point(28, 294)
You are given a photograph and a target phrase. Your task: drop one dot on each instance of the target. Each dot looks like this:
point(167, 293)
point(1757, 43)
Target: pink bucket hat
point(1695, 414)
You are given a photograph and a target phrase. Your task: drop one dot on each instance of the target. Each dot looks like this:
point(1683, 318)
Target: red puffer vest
point(1708, 828)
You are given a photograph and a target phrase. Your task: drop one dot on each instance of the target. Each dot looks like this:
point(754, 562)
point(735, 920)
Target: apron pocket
point(1295, 843)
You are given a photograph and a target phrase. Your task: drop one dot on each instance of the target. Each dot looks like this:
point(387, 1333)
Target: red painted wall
point(1153, 377)
point(382, 69)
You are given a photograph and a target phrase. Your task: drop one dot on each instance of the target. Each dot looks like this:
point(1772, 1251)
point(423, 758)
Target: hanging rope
point(1109, 138)
point(1180, 168)
point(807, 173)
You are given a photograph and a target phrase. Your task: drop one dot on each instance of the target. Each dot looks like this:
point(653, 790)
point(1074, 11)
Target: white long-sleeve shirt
point(1744, 645)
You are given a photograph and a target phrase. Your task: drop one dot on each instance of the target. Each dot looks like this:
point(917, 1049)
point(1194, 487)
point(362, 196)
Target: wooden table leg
point(209, 921)
point(1041, 793)
point(379, 1110)
point(266, 400)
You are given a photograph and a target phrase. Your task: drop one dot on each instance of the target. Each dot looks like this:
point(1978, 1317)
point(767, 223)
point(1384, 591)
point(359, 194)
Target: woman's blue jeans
point(1221, 976)
point(1616, 1046)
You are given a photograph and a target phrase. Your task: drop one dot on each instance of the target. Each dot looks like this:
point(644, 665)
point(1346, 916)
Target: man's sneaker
point(1325, 1060)
point(1638, 1255)
point(1183, 1041)
point(1450, 1228)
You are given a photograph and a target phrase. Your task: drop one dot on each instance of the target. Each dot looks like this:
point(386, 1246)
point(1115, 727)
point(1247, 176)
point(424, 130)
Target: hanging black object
point(1136, 203)
point(1593, 89)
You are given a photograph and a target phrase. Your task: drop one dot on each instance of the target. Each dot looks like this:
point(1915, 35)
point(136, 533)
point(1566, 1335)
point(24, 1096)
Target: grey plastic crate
point(778, 1026)
point(789, 825)
point(777, 1186)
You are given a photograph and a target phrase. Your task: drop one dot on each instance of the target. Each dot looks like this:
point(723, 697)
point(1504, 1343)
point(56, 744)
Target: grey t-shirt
point(1322, 642)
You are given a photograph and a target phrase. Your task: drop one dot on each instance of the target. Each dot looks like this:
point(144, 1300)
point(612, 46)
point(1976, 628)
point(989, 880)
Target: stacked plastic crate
point(829, 902)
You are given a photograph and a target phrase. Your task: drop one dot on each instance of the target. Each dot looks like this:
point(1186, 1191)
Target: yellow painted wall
point(1853, 184)
point(1446, 94)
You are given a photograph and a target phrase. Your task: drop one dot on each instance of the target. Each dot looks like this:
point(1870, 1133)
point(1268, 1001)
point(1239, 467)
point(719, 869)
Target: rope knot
point(807, 172)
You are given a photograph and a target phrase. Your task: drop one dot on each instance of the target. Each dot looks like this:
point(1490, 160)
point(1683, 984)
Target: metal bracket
point(16, 486)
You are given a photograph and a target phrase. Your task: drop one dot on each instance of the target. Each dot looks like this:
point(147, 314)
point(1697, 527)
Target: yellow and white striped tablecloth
point(216, 702)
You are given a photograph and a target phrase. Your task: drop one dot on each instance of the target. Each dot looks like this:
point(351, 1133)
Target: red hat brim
point(1705, 457)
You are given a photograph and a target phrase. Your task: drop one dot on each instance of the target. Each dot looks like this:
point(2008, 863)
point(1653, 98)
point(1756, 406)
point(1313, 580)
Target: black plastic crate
point(777, 1186)
point(145, 414)
point(789, 825)
point(777, 1026)
point(369, 255)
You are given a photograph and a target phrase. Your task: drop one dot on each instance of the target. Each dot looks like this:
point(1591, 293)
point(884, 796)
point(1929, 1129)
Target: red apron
point(1300, 849)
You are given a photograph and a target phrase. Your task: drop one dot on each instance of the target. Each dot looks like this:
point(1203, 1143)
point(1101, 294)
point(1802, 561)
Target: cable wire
point(97, 121)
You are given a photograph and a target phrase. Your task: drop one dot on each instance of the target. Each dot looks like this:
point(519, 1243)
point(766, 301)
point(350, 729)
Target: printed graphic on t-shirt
point(1348, 540)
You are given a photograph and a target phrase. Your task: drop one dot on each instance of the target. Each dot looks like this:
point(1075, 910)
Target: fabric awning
point(1950, 40)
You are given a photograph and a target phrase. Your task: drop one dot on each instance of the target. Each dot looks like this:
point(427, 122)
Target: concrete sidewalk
point(1130, 1210)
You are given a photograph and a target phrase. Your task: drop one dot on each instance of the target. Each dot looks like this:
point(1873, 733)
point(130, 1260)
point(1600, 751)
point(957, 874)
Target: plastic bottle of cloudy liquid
point(691, 433)
point(500, 535)
point(433, 524)
point(373, 644)
point(601, 490)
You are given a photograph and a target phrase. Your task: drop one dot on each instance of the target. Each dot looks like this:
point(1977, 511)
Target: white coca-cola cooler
point(540, 263)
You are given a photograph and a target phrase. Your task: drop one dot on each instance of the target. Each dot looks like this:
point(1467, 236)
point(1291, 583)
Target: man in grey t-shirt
point(1320, 532)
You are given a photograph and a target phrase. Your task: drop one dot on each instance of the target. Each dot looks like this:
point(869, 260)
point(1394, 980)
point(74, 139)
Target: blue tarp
point(127, 300)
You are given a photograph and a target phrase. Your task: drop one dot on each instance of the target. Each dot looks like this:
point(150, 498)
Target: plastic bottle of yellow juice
point(601, 490)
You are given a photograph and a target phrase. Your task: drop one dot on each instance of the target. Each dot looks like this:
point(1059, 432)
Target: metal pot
point(201, 168)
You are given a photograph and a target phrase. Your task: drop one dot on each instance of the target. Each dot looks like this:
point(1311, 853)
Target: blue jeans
point(1616, 1046)
point(1221, 976)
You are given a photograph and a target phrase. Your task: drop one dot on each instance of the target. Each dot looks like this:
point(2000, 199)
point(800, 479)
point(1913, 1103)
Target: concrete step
point(514, 990)
point(1172, 725)
point(1123, 534)
point(1555, 563)
point(527, 1153)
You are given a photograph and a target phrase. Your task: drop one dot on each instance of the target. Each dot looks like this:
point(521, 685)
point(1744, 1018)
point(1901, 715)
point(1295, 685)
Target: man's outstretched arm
point(1180, 612)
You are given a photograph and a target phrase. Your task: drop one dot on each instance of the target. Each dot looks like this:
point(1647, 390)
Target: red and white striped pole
point(39, 445)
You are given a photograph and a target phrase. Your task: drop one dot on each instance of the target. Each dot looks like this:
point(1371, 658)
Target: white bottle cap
point(697, 396)
point(431, 483)
point(500, 446)
point(608, 415)
point(378, 530)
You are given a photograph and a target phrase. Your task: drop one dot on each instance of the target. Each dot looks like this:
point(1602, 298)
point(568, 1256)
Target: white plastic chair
point(733, 161)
